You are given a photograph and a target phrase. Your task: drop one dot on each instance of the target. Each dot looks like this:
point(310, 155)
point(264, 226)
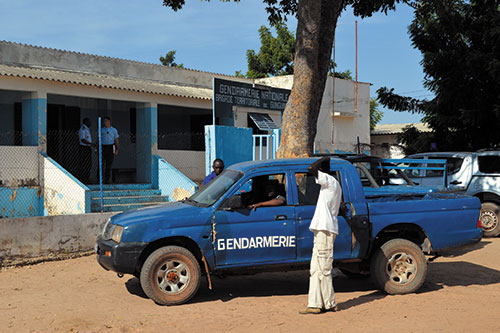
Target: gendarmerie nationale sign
point(229, 93)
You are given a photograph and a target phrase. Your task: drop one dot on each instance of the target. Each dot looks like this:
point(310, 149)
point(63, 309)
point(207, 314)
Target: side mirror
point(232, 203)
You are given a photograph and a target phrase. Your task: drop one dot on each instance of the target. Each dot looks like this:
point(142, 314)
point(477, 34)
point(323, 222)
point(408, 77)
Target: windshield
point(210, 193)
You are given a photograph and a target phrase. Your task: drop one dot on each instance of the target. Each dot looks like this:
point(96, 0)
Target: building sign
point(230, 93)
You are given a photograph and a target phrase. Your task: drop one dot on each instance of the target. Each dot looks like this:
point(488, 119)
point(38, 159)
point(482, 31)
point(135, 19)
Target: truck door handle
point(280, 217)
point(455, 182)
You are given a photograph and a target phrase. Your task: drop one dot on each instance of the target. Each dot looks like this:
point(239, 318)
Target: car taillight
point(479, 226)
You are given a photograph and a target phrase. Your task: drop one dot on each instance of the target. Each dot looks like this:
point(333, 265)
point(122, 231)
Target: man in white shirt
point(325, 228)
point(85, 151)
point(110, 145)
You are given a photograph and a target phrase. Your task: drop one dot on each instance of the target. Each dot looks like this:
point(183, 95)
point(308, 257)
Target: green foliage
point(375, 114)
point(414, 141)
point(345, 75)
point(168, 60)
point(460, 44)
point(276, 54)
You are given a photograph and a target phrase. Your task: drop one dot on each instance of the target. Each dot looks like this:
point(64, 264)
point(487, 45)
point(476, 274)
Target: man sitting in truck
point(275, 195)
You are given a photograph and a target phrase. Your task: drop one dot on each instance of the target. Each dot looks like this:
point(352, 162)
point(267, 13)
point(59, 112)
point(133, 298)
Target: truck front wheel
point(489, 219)
point(399, 267)
point(170, 275)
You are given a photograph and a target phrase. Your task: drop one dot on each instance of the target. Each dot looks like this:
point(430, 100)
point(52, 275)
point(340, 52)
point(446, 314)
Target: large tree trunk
point(317, 20)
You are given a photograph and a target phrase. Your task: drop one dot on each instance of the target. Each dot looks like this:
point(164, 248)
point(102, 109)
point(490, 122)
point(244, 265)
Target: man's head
point(106, 121)
point(86, 122)
point(218, 166)
point(325, 166)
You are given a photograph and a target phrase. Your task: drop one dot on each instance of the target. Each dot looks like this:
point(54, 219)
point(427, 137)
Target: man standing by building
point(325, 228)
point(110, 145)
point(85, 151)
point(218, 166)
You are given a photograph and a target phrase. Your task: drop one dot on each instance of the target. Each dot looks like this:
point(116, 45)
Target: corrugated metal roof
point(388, 129)
point(104, 81)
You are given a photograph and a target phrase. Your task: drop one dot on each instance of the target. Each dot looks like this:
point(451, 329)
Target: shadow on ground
point(260, 285)
point(440, 274)
point(451, 253)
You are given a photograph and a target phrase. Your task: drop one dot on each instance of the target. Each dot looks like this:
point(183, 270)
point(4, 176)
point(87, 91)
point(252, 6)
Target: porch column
point(34, 119)
point(147, 140)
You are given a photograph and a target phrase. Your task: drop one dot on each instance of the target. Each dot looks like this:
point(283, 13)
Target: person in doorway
point(218, 166)
point(110, 146)
point(324, 225)
point(85, 151)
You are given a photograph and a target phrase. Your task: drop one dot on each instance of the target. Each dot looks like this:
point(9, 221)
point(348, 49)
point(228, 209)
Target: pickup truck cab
point(477, 174)
point(170, 246)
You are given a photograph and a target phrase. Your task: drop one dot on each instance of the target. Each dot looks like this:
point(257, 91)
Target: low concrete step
point(123, 207)
point(129, 200)
point(124, 193)
point(110, 187)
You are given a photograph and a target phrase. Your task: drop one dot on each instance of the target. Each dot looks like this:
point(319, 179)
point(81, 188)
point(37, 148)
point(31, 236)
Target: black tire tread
point(496, 209)
point(379, 260)
point(155, 294)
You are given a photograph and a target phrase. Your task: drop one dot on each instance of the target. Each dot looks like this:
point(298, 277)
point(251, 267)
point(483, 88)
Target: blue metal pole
point(100, 162)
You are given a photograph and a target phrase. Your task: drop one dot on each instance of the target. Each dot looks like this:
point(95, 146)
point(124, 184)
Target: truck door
point(246, 236)
point(307, 192)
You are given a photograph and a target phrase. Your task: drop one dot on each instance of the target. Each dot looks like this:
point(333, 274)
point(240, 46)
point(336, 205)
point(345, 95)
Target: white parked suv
point(478, 174)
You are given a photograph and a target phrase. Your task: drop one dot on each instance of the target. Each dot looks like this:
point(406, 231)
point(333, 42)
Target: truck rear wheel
point(170, 275)
point(399, 267)
point(489, 219)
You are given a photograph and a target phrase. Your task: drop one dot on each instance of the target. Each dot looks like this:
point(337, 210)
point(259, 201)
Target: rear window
point(489, 164)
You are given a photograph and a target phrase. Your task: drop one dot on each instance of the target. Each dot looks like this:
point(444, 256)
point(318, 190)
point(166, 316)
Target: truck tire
point(399, 267)
point(489, 219)
point(170, 275)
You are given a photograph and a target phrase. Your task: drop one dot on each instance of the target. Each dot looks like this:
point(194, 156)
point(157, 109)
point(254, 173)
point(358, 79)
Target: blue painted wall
point(20, 202)
point(171, 181)
point(231, 144)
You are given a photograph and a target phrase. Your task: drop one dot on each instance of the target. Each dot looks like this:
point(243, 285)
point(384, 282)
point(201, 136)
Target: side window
point(263, 188)
point(453, 165)
point(489, 164)
point(307, 189)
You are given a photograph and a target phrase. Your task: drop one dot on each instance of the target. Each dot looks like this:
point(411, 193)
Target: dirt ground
point(461, 294)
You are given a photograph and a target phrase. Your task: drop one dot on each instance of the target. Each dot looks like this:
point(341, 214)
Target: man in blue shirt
point(218, 167)
point(110, 145)
point(85, 150)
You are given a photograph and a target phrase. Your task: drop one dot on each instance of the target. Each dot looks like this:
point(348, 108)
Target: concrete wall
point(231, 144)
point(386, 146)
point(63, 193)
point(15, 54)
point(347, 124)
point(35, 237)
point(190, 163)
point(19, 166)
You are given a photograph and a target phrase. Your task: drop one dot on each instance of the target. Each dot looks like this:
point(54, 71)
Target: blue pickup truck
point(170, 247)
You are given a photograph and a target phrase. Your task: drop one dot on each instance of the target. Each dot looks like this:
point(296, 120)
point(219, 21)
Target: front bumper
point(118, 257)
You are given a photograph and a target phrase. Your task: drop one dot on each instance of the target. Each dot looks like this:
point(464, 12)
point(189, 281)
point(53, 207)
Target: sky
point(212, 36)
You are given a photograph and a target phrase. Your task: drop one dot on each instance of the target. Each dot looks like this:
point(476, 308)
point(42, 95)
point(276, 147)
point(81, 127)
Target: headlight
point(106, 231)
point(116, 235)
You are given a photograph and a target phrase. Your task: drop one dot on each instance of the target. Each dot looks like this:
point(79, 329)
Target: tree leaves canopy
point(460, 44)
point(276, 53)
